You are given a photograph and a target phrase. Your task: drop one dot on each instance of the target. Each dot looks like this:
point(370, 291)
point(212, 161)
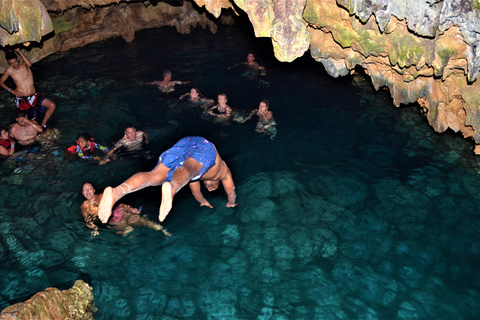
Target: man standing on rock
point(26, 97)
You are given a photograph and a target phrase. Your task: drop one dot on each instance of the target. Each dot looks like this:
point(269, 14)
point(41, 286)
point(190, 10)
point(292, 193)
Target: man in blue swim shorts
point(190, 160)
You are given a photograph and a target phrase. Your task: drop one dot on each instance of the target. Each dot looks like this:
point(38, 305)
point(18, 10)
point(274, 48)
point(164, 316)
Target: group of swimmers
point(221, 111)
point(189, 161)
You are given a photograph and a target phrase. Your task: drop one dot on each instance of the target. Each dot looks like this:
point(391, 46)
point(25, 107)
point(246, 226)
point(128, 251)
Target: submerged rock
point(74, 303)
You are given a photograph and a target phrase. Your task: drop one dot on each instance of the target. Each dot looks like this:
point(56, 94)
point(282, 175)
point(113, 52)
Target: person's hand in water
point(206, 204)
point(103, 161)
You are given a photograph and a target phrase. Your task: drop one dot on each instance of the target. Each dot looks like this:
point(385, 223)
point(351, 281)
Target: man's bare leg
point(136, 182)
point(180, 177)
point(50, 105)
point(167, 200)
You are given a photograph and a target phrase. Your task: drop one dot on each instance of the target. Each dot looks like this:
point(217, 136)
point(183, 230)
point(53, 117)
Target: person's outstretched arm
point(25, 59)
point(229, 187)
point(197, 194)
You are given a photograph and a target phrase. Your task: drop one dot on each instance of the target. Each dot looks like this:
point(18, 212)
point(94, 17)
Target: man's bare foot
point(167, 199)
point(106, 204)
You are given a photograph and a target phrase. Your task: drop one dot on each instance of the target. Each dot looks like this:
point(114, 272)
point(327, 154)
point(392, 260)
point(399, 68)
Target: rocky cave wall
point(424, 51)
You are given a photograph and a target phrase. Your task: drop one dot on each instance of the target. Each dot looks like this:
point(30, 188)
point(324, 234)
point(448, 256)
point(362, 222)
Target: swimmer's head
point(194, 93)
point(167, 74)
point(12, 59)
point(222, 98)
point(263, 104)
point(3, 134)
point(88, 191)
point(250, 57)
point(211, 185)
point(83, 139)
point(22, 118)
point(130, 131)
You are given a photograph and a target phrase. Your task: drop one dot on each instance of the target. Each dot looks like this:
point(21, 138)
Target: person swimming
point(266, 123)
point(133, 140)
point(167, 85)
point(221, 111)
point(85, 144)
point(195, 97)
point(124, 217)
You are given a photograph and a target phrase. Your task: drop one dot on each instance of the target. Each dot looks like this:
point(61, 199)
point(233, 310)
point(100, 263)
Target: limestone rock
point(28, 16)
point(75, 303)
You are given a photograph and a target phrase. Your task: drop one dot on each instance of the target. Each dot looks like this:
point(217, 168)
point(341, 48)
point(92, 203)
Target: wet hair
point(166, 72)
point(21, 114)
point(85, 136)
point(128, 126)
point(266, 102)
point(9, 55)
point(88, 183)
point(223, 94)
point(196, 89)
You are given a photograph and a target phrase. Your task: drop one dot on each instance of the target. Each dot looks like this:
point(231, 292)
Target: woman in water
point(124, 218)
point(266, 123)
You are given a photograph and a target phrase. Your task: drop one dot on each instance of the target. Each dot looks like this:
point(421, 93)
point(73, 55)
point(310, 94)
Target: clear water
point(355, 210)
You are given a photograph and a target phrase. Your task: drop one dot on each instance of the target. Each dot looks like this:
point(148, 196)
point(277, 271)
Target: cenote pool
point(354, 210)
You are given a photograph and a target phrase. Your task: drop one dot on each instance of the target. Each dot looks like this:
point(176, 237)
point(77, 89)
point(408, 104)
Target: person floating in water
point(133, 140)
point(167, 84)
point(7, 143)
point(25, 130)
point(124, 217)
point(26, 97)
point(85, 145)
point(253, 67)
point(195, 96)
point(190, 160)
point(266, 123)
point(221, 110)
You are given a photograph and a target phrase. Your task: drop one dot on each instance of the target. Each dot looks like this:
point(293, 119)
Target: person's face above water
point(14, 63)
point(193, 94)
point(82, 142)
point(222, 100)
point(22, 121)
point(262, 107)
point(88, 191)
point(250, 57)
point(131, 133)
point(168, 77)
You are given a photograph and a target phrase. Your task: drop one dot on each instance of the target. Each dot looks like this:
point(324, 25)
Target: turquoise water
point(355, 210)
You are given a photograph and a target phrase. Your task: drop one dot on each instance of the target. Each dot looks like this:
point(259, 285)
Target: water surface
point(355, 210)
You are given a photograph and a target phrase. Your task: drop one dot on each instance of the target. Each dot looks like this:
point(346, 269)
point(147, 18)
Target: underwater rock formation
point(74, 303)
point(423, 51)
